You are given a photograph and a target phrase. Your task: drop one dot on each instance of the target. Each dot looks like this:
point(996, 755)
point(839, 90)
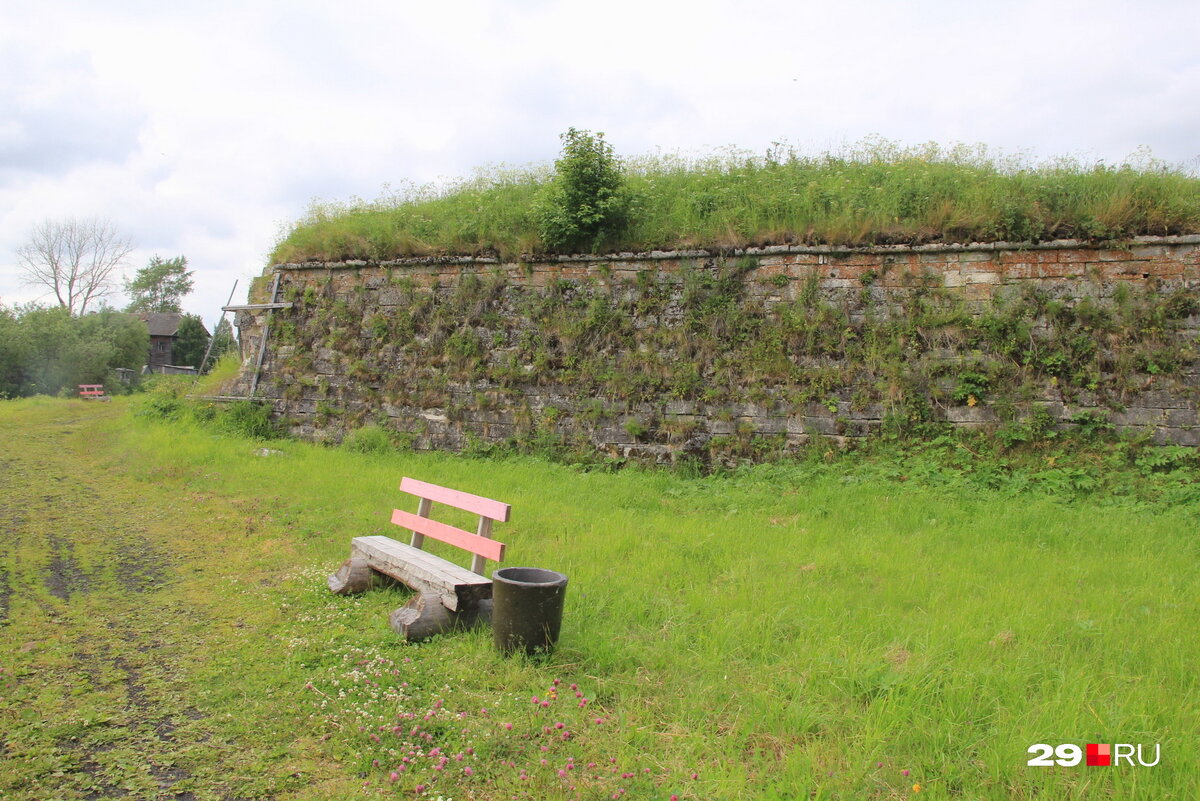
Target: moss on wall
point(726, 358)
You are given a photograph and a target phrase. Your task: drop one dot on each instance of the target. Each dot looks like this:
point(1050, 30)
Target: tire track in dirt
point(9, 522)
point(60, 536)
point(63, 576)
point(5, 593)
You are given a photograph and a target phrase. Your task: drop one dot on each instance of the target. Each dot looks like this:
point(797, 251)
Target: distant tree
point(160, 286)
point(191, 340)
point(223, 341)
point(46, 350)
point(74, 259)
point(12, 354)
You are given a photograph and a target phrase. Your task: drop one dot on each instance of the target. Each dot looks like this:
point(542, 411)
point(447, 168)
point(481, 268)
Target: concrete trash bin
point(527, 607)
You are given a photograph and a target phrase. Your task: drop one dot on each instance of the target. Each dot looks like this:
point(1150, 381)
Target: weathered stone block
point(1180, 418)
point(819, 425)
point(970, 414)
point(1138, 416)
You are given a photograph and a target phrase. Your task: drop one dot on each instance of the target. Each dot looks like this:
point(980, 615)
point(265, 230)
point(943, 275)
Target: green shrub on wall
point(585, 205)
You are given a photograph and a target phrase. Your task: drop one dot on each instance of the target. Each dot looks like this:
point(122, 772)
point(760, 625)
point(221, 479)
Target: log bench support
point(447, 596)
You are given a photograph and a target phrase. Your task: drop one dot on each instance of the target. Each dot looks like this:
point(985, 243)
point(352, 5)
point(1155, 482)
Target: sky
point(207, 129)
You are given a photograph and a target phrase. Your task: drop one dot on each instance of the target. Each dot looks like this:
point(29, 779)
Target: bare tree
point(74, 259)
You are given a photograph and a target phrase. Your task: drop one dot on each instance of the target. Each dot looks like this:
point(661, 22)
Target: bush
point(46, 351)
point(164, 398)
point(584, 206)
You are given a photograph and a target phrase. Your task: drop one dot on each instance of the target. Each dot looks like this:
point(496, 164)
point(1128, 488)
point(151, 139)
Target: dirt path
point(91, 704)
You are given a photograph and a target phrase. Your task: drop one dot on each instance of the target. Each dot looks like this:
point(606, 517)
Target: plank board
point(496, 510)
point(487, 548)
point(256, 306)
point(458, 587)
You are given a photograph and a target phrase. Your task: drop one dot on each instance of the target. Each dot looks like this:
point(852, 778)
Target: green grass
point(873, 193)
point(839, 630)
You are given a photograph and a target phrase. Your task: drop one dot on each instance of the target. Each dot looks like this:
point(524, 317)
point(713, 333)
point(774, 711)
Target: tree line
point(80, 339)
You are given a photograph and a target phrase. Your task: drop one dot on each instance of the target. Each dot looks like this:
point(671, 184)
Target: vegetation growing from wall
point(874, 193)
point(696, 336)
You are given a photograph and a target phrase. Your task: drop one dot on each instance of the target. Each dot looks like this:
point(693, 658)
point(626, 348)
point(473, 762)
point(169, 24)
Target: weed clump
point(170, 400)
point(369, 439)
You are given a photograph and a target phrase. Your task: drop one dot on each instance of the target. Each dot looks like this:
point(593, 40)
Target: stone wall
point(735, 356)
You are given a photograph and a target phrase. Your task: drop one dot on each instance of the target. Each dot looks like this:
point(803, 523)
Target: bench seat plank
point(485, 547)
point(477, 504)
point(457, 586)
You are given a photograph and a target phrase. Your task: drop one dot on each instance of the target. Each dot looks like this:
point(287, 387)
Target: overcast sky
point(204, 129)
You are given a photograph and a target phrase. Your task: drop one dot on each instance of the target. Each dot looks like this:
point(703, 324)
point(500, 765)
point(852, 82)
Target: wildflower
point(468, 771)
point(394, 776)
point(905, 772)
point(916, 788)
point(558, 725)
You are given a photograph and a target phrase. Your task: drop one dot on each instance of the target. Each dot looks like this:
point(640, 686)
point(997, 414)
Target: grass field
point(875, 192)
point(784, 632)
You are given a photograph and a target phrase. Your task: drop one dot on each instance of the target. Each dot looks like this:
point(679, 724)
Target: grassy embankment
point(874, 193)
point(863, 630)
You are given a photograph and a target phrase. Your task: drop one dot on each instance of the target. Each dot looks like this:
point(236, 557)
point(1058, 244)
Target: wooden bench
point(447, 595)
point(91, 391)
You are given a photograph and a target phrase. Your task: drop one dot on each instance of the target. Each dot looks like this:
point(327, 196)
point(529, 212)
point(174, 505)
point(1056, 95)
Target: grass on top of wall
point(873, 193)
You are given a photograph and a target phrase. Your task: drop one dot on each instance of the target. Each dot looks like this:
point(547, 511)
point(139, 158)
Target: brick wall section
point(876, 278)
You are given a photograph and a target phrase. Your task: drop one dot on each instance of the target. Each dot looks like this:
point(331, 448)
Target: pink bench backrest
point(480, 543)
